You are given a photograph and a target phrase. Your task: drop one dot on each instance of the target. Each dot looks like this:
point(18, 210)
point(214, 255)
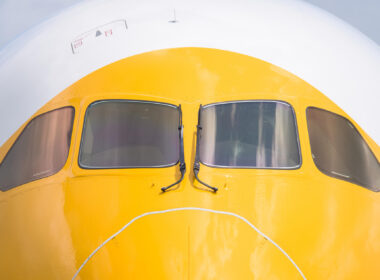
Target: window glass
point(339, 150)
point(127, 134)
point(40, 151)
point(253, 134)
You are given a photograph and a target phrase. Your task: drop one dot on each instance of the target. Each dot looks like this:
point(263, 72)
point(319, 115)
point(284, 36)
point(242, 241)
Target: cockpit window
point(129, 134)
point(339, 151)
point(249, 134)
point(40, 151)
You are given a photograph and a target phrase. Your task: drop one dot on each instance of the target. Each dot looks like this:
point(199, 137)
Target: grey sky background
point(17, 16)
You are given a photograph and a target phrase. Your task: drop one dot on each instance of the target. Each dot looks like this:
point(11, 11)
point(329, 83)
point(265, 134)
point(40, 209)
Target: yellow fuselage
point(328, 227)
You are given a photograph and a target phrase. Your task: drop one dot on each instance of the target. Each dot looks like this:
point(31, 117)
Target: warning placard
point(98, 34)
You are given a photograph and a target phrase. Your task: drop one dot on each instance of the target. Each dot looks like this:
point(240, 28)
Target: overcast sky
point(17, 16)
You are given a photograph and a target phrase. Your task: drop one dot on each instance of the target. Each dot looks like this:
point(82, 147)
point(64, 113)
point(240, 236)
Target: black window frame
point(343, 178)
point(261, 168)
point(21, 134)
point(121, 100)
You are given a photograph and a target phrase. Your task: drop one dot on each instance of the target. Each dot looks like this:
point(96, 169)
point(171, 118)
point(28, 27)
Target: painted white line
point(188, 209)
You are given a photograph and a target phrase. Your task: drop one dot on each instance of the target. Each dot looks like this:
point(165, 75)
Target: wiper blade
point(182, 164)
point(196, 171)
point(182, 168)
point(197, 165)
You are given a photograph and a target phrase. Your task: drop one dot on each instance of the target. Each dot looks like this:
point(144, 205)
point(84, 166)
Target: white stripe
point(184, 209)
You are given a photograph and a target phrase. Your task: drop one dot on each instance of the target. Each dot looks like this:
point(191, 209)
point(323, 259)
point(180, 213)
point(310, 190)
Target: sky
point(17, 16)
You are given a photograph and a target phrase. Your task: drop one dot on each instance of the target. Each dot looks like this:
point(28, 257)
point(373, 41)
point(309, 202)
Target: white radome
point(304, 40)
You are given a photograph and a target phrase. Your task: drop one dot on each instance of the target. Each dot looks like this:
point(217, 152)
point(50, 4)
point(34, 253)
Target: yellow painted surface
point(329, 227)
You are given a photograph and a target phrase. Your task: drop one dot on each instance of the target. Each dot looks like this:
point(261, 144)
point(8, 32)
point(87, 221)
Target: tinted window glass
point(256, 134)
point(40, 151)
point(339, 151)
point(122, 134)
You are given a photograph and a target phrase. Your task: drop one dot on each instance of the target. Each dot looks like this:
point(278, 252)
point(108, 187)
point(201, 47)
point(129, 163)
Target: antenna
point(174, 20)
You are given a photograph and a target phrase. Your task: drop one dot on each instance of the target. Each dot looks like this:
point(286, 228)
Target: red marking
point(108, 32)
point(77, 43)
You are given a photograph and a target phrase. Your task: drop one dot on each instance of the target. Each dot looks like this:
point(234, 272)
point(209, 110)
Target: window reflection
point(255, 134)
point(339, 150)
point(40, 151)
point(126, 134)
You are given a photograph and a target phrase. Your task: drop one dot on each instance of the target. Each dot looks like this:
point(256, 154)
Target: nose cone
point(189, 244)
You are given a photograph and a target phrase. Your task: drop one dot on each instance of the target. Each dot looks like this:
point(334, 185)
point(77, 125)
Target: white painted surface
point(315, 46)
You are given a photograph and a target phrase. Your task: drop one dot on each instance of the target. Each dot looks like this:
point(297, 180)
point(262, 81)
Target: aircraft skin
point(262, 223)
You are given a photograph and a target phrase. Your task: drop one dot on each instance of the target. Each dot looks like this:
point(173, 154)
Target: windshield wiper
point(197, 165)
point(182, 164)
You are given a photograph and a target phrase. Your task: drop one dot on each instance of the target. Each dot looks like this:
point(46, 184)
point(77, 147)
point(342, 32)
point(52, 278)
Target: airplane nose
point(189, 243)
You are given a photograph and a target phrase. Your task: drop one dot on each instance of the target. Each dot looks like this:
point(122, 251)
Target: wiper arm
point(182, 164)
point(197, 165)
